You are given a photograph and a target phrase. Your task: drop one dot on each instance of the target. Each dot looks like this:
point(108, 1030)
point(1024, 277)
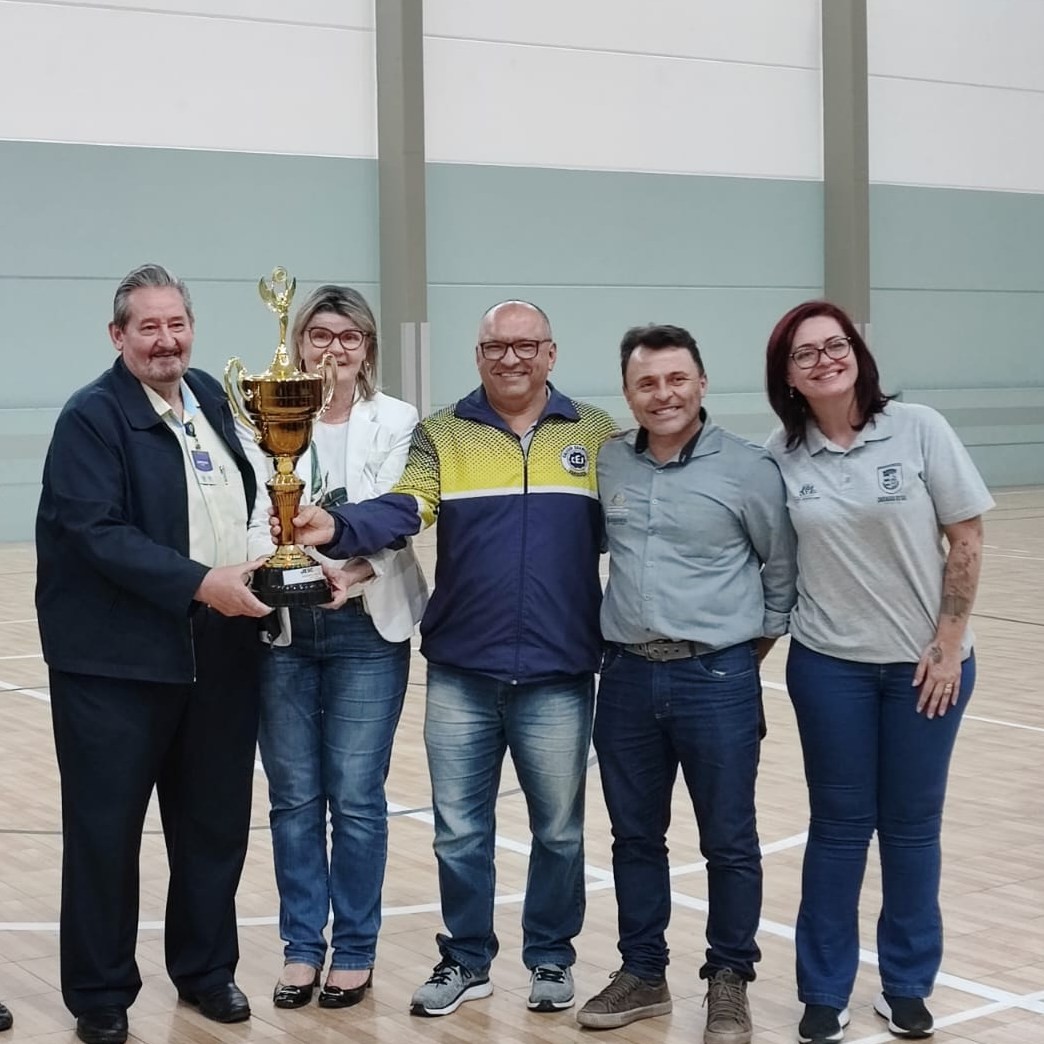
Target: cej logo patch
point(574, 460)
point(890, 477)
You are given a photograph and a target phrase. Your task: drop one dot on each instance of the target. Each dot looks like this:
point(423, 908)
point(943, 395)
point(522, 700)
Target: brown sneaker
point(728, 1013)
point(626, 999)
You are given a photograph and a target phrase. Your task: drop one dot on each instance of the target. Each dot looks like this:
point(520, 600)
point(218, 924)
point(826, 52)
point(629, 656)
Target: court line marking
point(1000, 1000)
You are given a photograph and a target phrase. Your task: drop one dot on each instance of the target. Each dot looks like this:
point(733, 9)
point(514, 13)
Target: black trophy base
point(291, 588)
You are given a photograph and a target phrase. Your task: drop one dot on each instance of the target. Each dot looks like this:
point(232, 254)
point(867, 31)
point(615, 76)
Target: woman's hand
point(938, 675)
point(355, 571)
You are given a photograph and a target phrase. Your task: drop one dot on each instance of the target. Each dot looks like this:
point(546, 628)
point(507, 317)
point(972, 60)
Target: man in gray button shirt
point(701, 582)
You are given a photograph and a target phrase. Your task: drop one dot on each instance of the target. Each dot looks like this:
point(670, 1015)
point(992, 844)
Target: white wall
point(242, 75)
point(673, 86)
point(957, 93)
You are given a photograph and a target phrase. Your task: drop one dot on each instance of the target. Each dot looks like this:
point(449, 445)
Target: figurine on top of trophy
point(279, 407)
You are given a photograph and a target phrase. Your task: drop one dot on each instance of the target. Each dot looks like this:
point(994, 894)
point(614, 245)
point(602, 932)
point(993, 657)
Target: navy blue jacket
point(516, 572)
point(115, 585)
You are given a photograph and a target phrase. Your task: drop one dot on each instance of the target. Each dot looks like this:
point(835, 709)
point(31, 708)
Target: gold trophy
point(279, 406)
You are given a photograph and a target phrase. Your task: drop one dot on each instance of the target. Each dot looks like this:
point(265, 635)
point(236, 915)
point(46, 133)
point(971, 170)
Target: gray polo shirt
point(868, 520)
point(700, 548)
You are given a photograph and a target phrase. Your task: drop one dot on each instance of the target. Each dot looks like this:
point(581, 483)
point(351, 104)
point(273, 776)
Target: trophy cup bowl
point(279, 407)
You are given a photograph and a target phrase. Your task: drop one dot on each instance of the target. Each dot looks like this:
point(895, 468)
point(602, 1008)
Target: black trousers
point(116, 739)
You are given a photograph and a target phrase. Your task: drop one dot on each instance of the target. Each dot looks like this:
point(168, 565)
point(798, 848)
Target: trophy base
point(291, 588)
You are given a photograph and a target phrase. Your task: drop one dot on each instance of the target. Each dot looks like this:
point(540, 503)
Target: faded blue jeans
point(330, 703)
point(872, 763)
point(470, 722)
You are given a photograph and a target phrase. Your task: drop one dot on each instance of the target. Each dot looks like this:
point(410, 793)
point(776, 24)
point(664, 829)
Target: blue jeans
point(330, 703)
point(872, 763)
point(470, 722)
point(703, 714)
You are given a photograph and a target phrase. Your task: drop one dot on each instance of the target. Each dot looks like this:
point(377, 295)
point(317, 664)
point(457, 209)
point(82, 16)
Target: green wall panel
point(601, 251)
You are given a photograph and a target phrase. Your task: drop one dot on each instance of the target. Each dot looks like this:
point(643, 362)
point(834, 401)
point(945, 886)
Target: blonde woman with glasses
point(334, 679)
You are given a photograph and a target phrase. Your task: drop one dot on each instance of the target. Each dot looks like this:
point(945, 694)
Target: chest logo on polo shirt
point(616, 511)
point(574, 460)
point(890, 481)
point(890, 477)
point(808, 492)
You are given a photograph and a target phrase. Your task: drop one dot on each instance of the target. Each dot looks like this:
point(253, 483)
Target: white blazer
point(379, 435)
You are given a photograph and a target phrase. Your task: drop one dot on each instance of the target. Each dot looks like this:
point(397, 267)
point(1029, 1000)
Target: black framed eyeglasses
point(526, 349)
point(321, 337)
point(806, 356)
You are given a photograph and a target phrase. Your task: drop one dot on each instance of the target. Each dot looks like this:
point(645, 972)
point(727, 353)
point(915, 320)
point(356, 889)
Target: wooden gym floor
point(991, 990)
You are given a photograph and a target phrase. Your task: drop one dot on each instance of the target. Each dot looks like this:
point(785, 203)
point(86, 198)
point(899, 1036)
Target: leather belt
point(662, 650)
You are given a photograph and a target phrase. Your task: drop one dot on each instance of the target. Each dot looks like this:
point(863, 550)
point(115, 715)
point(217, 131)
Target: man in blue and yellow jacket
point(512, 642)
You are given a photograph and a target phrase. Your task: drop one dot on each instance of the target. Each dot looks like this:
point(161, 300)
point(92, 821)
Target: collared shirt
point(216, 499)
point(868, 519)
point(700, 547)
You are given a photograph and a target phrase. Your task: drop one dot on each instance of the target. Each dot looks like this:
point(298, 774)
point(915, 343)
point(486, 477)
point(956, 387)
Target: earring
point(791, 392)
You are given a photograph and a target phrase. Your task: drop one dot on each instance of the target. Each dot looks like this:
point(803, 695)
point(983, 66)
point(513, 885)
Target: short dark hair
point(657, 336)
point(790, 405)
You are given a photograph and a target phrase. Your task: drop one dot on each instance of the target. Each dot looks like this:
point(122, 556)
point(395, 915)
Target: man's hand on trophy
point(225, 589)
point(312, 526)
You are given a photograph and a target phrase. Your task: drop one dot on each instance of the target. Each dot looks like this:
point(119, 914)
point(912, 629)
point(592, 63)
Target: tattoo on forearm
point(960, 580)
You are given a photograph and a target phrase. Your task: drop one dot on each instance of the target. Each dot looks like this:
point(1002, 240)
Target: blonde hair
point(350, 304)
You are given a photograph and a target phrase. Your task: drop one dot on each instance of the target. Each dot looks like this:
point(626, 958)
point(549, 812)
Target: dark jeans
point(116, 739)
point(872, 763)
point(704, 715)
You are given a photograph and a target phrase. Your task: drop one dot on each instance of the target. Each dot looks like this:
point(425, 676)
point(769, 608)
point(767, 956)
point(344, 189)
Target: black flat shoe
point(6, 1019)
point(287, 996)
point(221, 1003)
point(335, 997)
point(102, 1026)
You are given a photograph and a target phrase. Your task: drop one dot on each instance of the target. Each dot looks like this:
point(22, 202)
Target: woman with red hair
point(880, 666)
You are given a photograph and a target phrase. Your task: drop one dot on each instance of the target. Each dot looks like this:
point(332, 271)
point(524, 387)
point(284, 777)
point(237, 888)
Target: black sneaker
point(907, 1016)
point(822, 1024)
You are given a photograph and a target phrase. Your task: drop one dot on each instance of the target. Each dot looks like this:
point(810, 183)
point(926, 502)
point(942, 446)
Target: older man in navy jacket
point(145, 622)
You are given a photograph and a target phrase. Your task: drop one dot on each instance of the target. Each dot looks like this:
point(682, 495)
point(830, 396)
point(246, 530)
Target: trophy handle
point(328, 367)
point(233, 389)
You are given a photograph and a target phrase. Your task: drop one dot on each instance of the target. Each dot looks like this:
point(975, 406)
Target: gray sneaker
point(448, 987)
point(728, 1013)
point(550, 988)
point(626, 999)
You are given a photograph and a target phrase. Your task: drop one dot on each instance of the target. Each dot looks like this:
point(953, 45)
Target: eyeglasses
point(320, 337)
point(496, 350)
point(806, 356)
